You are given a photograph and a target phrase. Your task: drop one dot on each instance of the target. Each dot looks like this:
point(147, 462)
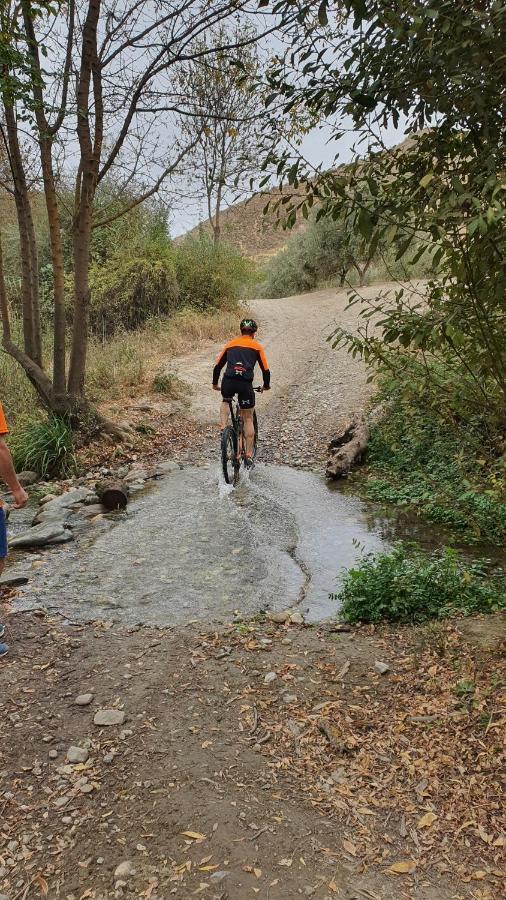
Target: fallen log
point(347, 448)
point(113, 494)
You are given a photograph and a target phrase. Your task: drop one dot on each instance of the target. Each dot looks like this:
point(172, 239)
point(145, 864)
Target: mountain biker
point(20, 498)
point(241, 355)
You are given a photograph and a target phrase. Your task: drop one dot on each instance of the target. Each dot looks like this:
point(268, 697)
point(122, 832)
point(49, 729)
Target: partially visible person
point(19, 496)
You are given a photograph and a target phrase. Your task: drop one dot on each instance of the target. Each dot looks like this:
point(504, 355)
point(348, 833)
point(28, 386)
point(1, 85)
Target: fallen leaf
point(403, 867)
point(257, 873)
point(427, 820)
point(350, 848)
point(42, 884)
point(194, 835)
point(333, 887)
point(342, 672)
point(207, 868)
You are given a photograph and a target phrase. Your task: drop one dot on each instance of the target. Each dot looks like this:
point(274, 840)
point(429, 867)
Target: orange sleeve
point(3, 424)
point(263, 359)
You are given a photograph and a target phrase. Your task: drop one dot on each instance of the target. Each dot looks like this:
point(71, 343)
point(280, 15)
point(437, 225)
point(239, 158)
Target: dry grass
point(126, 365)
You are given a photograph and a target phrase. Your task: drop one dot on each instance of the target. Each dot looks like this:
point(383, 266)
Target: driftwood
point(113, 494)
point(347, 448)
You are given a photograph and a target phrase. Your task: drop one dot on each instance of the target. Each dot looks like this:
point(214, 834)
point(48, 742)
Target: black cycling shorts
point(244, 390)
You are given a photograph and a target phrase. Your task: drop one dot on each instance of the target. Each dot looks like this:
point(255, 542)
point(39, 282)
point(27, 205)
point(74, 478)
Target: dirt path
point(314, 387)
point(253, 759)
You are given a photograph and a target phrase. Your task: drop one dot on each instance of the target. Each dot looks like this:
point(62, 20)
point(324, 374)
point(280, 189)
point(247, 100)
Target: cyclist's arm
point(262, 361)
point(220, 362)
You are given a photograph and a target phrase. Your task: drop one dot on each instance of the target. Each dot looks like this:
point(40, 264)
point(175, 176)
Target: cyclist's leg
point(249, 431)
point(227, 394)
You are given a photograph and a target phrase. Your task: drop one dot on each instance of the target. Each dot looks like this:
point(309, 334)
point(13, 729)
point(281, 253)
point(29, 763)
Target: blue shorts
point(3, 534)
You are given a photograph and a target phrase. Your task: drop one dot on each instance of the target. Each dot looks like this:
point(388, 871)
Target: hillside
point(245, 226)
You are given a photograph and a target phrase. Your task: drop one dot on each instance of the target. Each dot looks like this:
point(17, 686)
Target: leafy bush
point(328, 250)
point(451, 472)
point(131, 288)
point(407, 585)
point(169, 384)
point(211, 275)
point(44, 446)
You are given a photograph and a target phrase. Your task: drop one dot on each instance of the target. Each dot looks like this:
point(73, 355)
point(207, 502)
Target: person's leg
point(224, 414)
point(249, 431)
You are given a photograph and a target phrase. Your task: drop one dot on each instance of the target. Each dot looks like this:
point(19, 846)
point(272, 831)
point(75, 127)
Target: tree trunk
point(81, 244)
point(28, 250)
point(347, 448)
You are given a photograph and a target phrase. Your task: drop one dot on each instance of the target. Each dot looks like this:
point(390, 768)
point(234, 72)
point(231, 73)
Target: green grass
point(44, 446)
point(407, 585)
point(451, 474)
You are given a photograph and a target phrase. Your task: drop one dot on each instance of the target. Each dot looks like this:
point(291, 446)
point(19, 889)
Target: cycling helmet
point(249, 325)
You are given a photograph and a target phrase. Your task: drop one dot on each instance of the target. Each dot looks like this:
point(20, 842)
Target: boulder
point(109, 717)
point(42, 535)
point(26, 478)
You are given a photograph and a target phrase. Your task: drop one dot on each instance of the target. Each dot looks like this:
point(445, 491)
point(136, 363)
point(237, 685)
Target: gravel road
point(314, 386)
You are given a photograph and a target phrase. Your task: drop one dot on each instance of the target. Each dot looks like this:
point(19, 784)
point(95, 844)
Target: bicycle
point(233, 449)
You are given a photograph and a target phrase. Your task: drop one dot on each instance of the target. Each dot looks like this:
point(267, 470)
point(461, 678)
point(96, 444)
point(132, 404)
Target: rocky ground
point(263, 758)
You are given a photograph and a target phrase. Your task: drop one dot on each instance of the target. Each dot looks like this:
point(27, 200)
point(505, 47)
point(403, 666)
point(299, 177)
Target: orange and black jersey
point(241, 355)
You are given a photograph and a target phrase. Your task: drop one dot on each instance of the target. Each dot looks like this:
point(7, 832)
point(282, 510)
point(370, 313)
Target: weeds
point(44, 446)
point(407, 585)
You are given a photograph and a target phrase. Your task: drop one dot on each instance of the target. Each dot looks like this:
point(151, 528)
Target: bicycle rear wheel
point(229, 455)
point(255, 426)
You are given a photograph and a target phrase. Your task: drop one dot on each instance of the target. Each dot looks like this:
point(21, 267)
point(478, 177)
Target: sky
point(316, 149)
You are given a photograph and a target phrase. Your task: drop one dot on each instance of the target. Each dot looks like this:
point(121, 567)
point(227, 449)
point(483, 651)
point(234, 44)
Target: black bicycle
point(233, 444)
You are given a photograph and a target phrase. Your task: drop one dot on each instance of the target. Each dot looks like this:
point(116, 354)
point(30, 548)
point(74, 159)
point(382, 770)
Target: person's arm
point(220, 362)
point(8, 475)
point(262, 361)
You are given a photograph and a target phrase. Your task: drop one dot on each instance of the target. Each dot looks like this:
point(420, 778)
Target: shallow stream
point(190, 547)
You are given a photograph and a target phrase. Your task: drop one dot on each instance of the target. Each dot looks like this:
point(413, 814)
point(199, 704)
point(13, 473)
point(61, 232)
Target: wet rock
point(83, 700)
point(109, 717)
point(77, 755)
point(26, 478)
point(270, 677)
point(381, 668)
point(42, 535)
point(50, 514)
point(125, 869)
point(95, 509)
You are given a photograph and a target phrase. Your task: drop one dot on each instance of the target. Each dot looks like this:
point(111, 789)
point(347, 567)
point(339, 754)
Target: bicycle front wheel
point(229, 455)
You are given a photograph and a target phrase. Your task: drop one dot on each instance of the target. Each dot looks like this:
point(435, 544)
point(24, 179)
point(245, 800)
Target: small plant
point(408, 585)
point(169, 384)
point(44, 446)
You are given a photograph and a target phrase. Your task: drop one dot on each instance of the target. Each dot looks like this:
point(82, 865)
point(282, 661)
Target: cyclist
point(20, 498)
point(241, 355)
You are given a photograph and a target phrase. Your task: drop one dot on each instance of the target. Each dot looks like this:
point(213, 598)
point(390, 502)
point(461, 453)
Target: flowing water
point(190, 547)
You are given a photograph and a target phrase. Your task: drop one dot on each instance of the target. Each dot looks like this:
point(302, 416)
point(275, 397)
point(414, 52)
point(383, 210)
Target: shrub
point(407, 585)
point(211, 275)
point(450, 471)
point(131, 288)
point(44, 446)
point(169, 384)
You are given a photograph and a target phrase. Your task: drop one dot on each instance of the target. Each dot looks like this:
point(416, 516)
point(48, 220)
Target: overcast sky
point(316, 149)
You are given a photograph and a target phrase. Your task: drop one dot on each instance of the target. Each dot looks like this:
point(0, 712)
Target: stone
point(381, 668)
point(91, 499)
point(26, 478)
point(42, 535)
point(218, 876)
point(49, 514)
point(296, 618)
point(289, 698)
point(13, 580)
point(94, 509)
point(270, 677)
point(280, 617)
point(109, 717)
point(83, 700)
point(125, 869)
point(53, 754)
point(47, 499)
point(167, 467)
point(77, 755)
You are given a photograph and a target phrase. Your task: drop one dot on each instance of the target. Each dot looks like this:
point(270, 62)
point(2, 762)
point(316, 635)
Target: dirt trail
point(314, 386)
point(255, 759)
